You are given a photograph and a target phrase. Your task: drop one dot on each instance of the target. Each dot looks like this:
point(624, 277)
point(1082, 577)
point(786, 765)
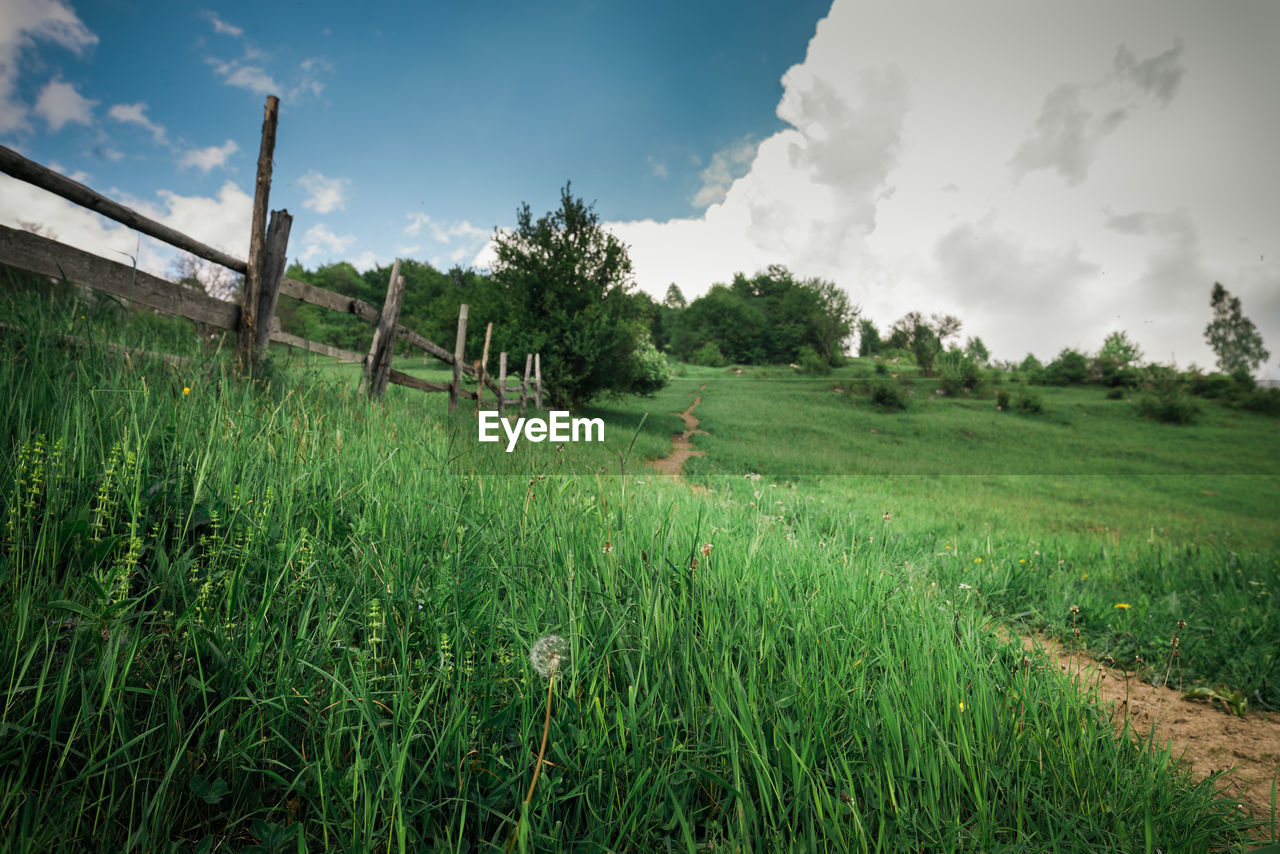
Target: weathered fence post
point(537, 373)
point(377, 365)
point(274, 259)
point(524, 383)
point(484, 364)
point(250, 303)
point(502, 384)
point(457, 358)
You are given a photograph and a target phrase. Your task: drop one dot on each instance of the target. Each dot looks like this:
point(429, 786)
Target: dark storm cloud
point(1158, 76)
point(1075, 118)
point(1065, 137)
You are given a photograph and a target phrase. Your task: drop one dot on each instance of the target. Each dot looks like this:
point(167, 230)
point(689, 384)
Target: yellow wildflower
point(1124, 605)
point(186, 389)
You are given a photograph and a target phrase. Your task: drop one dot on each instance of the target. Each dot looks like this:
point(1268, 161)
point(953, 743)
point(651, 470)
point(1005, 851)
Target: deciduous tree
point(1233, 336)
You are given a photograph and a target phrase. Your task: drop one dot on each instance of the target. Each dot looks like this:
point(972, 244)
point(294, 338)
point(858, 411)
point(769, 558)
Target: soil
point(681, 443)
point(1203, 736)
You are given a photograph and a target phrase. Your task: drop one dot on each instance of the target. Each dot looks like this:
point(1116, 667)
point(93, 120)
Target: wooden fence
point(253, 318)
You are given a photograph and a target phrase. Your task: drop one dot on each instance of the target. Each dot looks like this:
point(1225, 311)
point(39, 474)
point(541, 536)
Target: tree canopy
point(1233, 336)
point(562, 289)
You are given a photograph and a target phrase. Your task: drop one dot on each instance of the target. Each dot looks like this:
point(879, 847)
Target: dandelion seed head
point(548, 655)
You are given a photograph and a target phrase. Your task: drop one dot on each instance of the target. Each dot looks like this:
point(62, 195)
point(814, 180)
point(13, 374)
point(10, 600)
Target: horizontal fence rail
point(263, 283)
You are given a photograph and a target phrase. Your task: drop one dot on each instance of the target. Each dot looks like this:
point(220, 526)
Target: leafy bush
point(812, 363)
point(898, 355)
point(889, 396)
point(1160, 375)
point(1109, 371)
point(1263, 401)
point(1070, 368)
point(1030, 401)
point(1243, 379)
point(1170, 404)
point(1002, 400)
point(652, 369)
point(881, 368)
point(1115, 393)
point(1210, 386)
point(958, 373)
point(708, 354)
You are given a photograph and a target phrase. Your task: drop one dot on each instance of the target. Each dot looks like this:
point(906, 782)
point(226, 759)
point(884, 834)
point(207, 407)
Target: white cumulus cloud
point(206, 159)
point(222, 222)
point(320, 242)
point(136, 114)
point(221, 26)
point(23, 24)
point(324, 194)
point(726, 165)
point(60, 103)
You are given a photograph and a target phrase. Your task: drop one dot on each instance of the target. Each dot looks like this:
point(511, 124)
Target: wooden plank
point(484, 364)
point(13, 163)
point(275, 256)
point(374, 379)
point(329, 299)
point(502, 383)
point(537, 374)
point(524, 383)
point(47, 257)
point(430, 346)
point(315, 346)
point(401, 378)
point(458, 346)
point(250, 298)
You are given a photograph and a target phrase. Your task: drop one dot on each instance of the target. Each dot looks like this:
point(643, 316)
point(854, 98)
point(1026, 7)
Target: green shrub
point(1030, 401)
point(1109, 371)
point(881, 369)
point(1115, 393)
point(708, 354)
point(889, 396)
point(812, 363)
point(1263, 401)
point(957, 373)
point(1170, 405)
point(1002, 399)
point(652, 369)
point(1070, 368)
point(1211, 386)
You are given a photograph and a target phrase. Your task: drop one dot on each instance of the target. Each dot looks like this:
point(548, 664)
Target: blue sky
point(1049, 172)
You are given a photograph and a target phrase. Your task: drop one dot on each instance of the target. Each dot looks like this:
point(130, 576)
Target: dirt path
point(1203, 735)
point(681, 443)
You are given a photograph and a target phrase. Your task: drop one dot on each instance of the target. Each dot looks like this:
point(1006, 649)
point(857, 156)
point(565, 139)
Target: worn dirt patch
point(681, 443)
point(1204, 736)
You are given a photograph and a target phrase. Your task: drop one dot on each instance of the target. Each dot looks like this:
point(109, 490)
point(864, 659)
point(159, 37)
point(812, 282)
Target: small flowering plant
point(549, 655)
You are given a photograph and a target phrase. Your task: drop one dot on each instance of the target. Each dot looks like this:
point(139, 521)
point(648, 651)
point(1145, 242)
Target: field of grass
point(282, 618)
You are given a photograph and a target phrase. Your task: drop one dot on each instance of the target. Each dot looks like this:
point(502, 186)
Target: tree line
point(562, 286)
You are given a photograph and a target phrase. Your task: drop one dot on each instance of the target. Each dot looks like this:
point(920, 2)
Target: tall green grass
point(282, 618)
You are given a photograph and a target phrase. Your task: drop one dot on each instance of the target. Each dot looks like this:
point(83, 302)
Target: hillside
point(287, 618)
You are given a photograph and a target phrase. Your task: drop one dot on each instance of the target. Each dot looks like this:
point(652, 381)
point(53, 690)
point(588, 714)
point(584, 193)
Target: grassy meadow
point(281, 618)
